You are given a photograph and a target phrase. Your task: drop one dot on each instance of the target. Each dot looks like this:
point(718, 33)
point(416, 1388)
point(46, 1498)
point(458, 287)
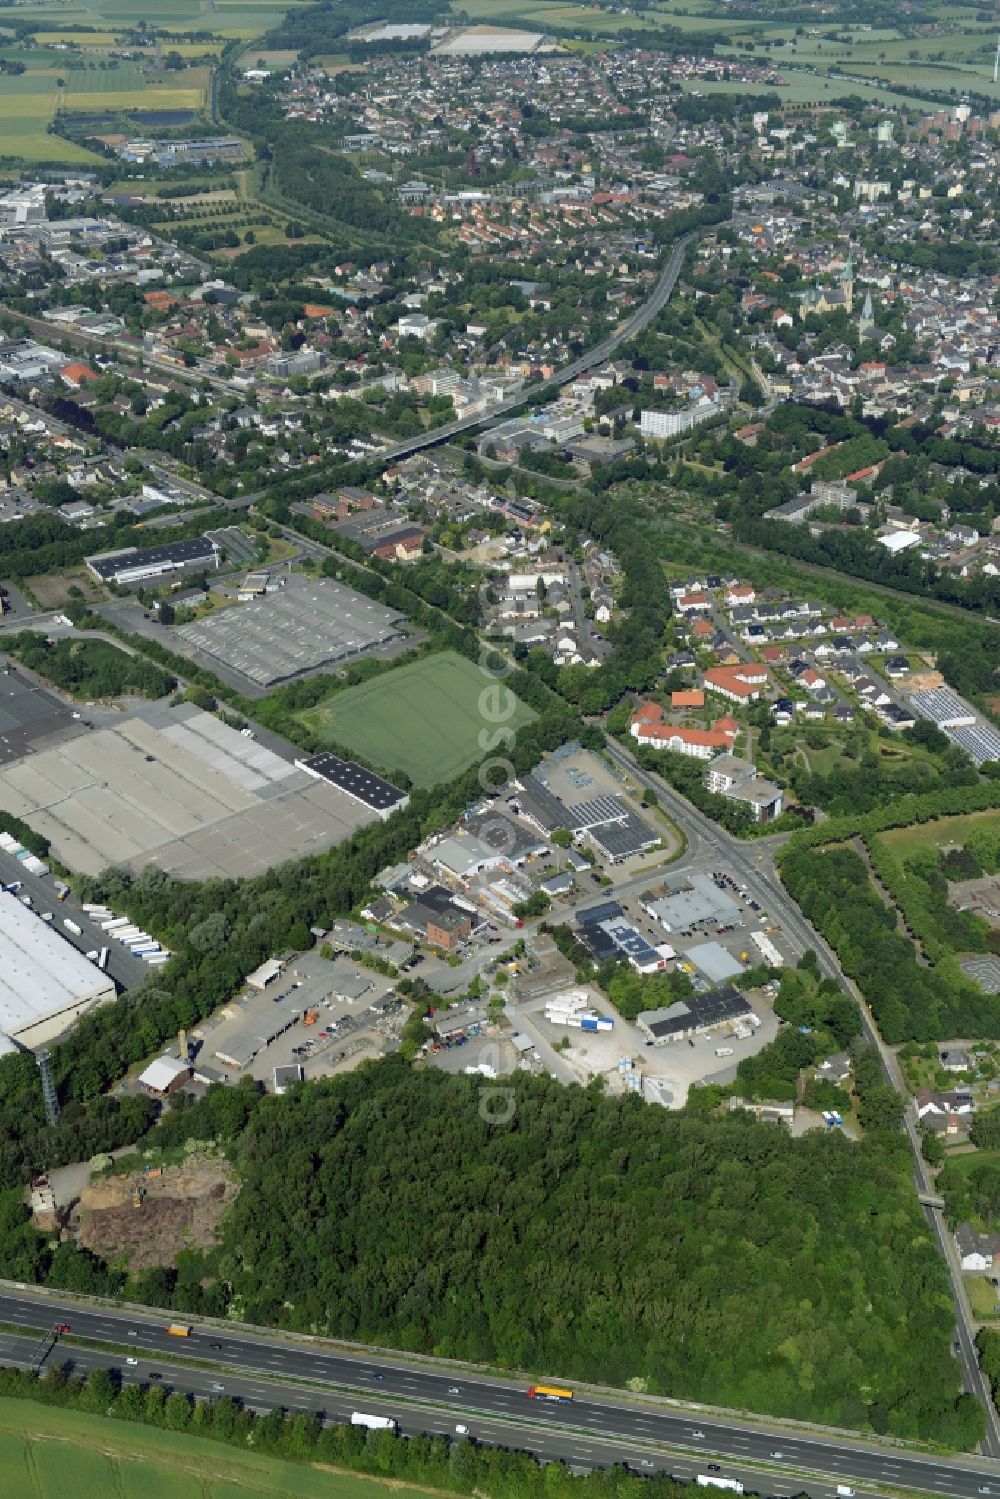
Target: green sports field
point(424, 718)
point(47, 1453)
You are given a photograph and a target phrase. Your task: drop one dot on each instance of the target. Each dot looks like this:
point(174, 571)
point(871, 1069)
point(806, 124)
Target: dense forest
point(709, 1256)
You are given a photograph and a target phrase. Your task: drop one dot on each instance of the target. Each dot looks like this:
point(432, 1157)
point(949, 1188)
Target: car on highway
point(454, 1390)
point(714, 1468)
point(378, 1376)
point(215, 1347)
point(132, 1361)
point(777, 1453)
point(155, 1374)
point(697, 1436)
point(463, 1431)
point(984, 1488)
point(62, 1327)
point(218, 1388)
point(133, 1332)
point(644, 1462)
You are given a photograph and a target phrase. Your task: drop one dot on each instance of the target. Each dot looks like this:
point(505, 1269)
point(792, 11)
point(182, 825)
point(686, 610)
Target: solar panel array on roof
point(632, 944)
point(699, 1012)
point(622, 840)
point(981, 742)
point(358, 782)
point(600, 944)
point(595, 813)
point(943, 707)
point(294, 629)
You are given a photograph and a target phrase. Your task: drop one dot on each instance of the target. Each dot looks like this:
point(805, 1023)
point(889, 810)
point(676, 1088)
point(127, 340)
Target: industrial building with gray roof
point(178, 788)
point(297, 627)
point(45, 983)
point(699, 1013)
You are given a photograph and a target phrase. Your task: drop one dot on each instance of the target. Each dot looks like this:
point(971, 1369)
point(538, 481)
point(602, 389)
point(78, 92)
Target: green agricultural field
point(27, 105)
point(804, 88)
point(424, 718)
point(131, 87)
point(47, 1453)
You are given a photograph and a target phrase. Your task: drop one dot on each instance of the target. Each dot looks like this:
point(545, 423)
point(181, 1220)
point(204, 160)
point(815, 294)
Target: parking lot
point(261, 1030)
point(31, 717)
point(667, 1072)
point(126, 969)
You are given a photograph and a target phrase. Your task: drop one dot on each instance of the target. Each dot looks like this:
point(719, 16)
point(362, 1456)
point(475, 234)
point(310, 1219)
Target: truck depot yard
point(423, 718)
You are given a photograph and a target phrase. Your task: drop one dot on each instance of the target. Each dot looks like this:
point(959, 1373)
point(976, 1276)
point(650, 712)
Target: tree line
point(89, 668)
point(428, 1461)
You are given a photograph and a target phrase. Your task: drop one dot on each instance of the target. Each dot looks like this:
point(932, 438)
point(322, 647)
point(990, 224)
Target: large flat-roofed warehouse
point(696, 899)
point(131, 565)
point(380, 796)
point(178, 788)
point(306, 624)
point(692, 1016)
point(45, 984)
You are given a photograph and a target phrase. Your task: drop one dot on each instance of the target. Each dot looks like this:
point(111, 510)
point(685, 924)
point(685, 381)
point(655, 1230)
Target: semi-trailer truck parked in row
point(374, 1423)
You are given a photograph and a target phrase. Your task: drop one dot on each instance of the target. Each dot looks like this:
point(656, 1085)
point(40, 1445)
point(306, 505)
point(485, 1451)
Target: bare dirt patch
point(178, 1209)
point(52, 589)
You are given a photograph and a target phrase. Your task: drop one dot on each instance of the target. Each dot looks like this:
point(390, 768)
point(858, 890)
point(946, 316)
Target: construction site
point(147, 1215)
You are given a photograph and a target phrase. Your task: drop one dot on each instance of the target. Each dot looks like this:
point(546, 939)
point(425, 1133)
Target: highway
point(753, 866)
point(593, 1431)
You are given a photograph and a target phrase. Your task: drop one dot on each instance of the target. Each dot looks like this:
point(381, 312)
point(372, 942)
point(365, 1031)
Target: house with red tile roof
point(76, 375)
point(739, 684)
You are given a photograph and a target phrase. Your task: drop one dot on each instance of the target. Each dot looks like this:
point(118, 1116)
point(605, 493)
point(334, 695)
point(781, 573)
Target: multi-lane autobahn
point(593, 1431)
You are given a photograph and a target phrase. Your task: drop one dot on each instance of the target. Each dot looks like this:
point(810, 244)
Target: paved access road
point(591, 1431)
point(753, 866)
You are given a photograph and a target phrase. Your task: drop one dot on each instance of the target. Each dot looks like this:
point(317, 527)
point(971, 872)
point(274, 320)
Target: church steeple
point(866, 323)
point(846, 280)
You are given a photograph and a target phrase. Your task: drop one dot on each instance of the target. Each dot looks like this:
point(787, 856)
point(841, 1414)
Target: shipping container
point(102, 961)
point(71, 926)
point(92, 910)
point(115, 925)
